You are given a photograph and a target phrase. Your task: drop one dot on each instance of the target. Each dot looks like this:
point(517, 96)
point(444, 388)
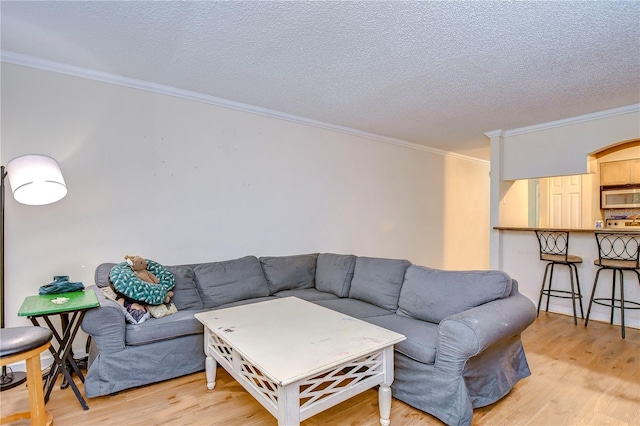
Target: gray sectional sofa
point(463, 347)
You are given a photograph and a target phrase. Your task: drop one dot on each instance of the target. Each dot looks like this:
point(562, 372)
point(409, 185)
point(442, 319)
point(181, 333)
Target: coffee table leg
point(210, 366)
point(384, 403)
point(289, 405)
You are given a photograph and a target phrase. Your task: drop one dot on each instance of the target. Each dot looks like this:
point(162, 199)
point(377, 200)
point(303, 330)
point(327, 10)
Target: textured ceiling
point(439, 74)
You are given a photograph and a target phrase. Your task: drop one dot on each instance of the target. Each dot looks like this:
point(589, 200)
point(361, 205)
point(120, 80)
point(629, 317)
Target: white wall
point(180, 181)
point(465, 216)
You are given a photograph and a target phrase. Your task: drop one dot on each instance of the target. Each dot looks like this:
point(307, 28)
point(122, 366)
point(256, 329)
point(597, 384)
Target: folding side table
point(71, 307)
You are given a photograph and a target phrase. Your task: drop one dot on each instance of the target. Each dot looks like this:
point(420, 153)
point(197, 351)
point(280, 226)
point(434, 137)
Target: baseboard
point(595, 316)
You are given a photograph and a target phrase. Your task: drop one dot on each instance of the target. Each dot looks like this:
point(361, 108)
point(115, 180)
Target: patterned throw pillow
point(125, 281)
point(159, 311)
point(132, 313)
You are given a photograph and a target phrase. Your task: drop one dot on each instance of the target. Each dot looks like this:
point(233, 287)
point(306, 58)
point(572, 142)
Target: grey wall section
point(561, 148)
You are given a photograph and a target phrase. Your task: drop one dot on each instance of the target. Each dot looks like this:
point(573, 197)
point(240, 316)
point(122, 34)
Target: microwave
point(620, 198)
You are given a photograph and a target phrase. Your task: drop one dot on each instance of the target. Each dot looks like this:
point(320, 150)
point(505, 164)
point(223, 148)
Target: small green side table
point(71, 307)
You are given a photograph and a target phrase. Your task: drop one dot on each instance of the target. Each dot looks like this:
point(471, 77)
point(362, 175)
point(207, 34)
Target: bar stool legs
point(618, 252)
point(612, 302)
point(564, 294)
point(554, 249)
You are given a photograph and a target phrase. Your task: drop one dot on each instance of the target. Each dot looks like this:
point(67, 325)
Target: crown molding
point(567, 121)
point(494, 133)
point(33, 62)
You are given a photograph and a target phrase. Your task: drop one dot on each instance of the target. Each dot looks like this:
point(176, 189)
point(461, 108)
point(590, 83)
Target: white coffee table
point(297, 358)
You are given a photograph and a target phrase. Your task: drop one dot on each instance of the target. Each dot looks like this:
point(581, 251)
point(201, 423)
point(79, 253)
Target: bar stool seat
point(615, 264)
point(27, 343)
point(618, 252)
point(558, 258)
point(554, 248)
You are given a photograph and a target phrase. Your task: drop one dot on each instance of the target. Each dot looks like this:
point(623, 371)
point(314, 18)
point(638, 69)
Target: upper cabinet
point(620, 172)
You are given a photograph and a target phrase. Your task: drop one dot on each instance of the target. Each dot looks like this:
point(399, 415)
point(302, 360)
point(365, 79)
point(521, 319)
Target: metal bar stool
point(554, 248)
point(26, 343)
point(618, 252)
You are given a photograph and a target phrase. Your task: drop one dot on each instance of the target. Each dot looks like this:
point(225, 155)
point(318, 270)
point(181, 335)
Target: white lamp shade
point(36, 180)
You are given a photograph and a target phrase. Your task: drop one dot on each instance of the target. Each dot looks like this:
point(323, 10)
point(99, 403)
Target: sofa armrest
point(105, 324)
point(466, 334)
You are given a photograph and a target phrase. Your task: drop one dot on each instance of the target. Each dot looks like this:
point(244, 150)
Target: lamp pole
point(13, 379)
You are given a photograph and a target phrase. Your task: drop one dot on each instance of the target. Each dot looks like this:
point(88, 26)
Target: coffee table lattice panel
point(337, 380)
point(312, 390)
point(223, 349)
point(259, 382)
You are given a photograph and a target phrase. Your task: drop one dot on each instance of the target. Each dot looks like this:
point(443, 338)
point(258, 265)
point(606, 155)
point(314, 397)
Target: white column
point(495, 251)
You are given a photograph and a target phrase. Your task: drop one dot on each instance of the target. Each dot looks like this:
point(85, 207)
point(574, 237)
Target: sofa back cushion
point(229, 281)
point(185, 293)
point(432, 294)
point(102, 274)
point(378, 281)
point(334, 273)
point(289, 272)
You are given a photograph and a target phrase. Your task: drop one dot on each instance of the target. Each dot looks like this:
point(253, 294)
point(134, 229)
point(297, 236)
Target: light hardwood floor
point(580, 376)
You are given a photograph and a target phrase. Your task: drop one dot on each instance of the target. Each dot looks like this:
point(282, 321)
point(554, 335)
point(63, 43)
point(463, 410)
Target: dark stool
point(618, 252)
point(26, 343)
point(554, 248)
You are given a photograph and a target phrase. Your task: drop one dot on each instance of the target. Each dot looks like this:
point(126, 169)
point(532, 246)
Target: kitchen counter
point(583, 230)
point(520, 258)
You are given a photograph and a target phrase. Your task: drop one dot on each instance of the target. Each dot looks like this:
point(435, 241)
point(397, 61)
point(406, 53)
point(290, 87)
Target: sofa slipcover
point(463, 347)
point(334, 273)
point(432, 295)
point(378, 281)
point(185, 293)
point(353, 307)
point(229, 281)
point(289, 272)
point(422, 336)
point(308, 294)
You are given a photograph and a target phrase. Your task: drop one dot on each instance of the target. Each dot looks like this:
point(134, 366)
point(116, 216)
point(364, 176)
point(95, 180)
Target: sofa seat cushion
point(353, 307)
point(432, 295)
point(246, 302)
point(185, 293)
point(378, 281)
point(182, 323)
point(334, 273)
point(308, 294)
point(229, 281)
point(289, 272)
point(422, 337)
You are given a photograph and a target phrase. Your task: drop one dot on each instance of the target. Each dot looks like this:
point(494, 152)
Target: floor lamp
point(35, 180)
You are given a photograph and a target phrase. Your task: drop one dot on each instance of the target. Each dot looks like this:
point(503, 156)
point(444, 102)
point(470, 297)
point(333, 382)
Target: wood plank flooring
point(580, 376)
